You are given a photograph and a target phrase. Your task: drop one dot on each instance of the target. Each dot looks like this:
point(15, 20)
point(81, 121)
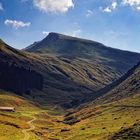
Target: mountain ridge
point(55, 36)
point(71, 47)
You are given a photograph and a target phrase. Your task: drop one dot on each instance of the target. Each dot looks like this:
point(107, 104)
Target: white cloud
point(135, 3)
point(114, 5)
point(107, 9)
point(16, 24)
point(132, 2)
point(55, 6)
point(110, 8)
point(89, 13)
point(45, 33)
point(1, 7)
point(120, 3)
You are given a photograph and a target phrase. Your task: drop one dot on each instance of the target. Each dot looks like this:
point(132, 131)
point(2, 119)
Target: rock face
point(19, 80)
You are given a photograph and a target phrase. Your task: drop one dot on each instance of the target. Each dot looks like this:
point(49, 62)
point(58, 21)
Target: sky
point(115, 23)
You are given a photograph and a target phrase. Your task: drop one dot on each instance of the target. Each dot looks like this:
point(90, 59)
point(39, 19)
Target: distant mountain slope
point(127, 85)
point(72, 47)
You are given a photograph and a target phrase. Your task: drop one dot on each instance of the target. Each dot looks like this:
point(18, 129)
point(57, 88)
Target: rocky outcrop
point(18, 79)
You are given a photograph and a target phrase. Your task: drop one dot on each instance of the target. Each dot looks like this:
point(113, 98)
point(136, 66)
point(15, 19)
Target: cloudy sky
point(115, 23)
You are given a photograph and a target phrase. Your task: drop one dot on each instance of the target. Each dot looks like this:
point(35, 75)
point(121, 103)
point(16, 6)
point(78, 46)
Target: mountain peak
point(52, 36)
point(64, 44)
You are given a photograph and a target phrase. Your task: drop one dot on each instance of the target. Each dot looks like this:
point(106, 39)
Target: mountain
point(62, 77)
point(51, 79)
point(72, 47)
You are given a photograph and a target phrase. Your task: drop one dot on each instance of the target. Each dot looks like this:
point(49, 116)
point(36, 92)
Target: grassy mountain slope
point(117, 110)
point(132, 133)
point(126, 86)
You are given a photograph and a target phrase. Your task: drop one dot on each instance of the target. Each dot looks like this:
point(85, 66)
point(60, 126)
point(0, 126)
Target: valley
point(67, 88)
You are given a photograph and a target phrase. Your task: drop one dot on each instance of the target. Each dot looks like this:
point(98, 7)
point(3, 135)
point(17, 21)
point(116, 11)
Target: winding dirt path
point(26, 131)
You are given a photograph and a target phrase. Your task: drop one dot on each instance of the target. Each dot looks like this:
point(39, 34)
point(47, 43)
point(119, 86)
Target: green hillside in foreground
point(109, 121)
point(13, 125)
point(101, 122)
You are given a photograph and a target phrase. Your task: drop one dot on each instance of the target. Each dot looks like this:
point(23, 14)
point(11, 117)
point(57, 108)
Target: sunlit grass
point(96, 123)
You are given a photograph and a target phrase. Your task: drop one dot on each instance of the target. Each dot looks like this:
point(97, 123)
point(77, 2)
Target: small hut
point(9, 109)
